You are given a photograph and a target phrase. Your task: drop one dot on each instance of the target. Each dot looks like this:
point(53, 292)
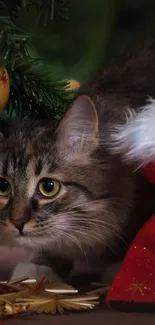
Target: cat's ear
point(77, 132)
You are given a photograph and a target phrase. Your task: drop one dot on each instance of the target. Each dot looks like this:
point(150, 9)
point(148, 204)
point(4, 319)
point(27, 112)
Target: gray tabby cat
point(64, 194)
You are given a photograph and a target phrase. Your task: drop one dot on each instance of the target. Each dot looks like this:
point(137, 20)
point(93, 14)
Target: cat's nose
point(20, 213)
point(19, 224)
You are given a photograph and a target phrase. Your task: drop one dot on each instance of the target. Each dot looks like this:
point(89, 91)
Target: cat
point(66, 193)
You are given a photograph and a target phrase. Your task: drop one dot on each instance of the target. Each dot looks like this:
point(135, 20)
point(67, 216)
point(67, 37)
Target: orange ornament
point(73, 85)
point(4, 87)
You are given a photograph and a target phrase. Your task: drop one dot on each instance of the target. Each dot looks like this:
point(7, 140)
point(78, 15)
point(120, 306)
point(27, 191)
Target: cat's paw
point(35, 271)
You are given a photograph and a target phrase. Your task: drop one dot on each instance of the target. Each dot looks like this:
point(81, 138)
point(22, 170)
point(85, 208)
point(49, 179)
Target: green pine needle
point(33, 93)
point(33, 90)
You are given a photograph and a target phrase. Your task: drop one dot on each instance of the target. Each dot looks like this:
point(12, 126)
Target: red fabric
point(149, 172)
point(136, 279)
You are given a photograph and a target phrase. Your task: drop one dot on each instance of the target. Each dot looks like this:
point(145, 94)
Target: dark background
point(94, 30)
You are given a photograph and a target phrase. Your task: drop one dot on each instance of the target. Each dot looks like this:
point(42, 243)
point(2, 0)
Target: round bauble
point(4, 87)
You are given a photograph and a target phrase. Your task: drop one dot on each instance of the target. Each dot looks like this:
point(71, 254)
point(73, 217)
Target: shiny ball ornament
point(73, 85)
point(4, 87)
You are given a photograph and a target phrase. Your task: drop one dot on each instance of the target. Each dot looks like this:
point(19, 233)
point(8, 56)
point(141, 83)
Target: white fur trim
point(136, 139)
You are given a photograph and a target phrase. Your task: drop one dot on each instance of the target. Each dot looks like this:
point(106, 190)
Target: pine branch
point(47, 9)
point(34, 93)
point(13, 43)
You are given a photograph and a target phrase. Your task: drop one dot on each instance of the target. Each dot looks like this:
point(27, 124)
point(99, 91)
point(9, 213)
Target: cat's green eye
point(5, 188)
point(48, 187)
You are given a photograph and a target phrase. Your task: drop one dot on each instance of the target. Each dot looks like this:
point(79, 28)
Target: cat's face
point(60, 188)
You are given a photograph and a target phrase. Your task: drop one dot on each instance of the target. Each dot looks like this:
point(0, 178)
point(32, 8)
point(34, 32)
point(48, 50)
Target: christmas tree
point(26, 81)
point(43, 43)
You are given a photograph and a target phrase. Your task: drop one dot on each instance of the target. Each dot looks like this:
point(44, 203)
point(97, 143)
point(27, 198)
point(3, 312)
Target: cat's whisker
point(84, 221)
point(85, 232)
point(94, 222)
point(85, 224)
point(72, 240)
point(89, 233)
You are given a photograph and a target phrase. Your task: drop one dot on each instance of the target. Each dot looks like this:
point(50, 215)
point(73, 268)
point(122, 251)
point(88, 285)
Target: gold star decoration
point(141, 287)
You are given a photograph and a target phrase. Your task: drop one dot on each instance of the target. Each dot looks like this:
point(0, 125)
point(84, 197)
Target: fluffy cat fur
point(92, 218)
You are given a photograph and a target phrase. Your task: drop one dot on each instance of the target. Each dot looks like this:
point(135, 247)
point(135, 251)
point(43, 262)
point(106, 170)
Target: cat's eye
point(5, 188)
point(48, 187)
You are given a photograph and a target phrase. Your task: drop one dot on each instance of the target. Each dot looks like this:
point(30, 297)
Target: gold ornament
point(29, 296)
point(50, 304)
point(4, 87)
point(73, 85)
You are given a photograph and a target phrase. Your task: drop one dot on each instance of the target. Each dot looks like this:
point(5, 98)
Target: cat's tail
point(136, 139)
